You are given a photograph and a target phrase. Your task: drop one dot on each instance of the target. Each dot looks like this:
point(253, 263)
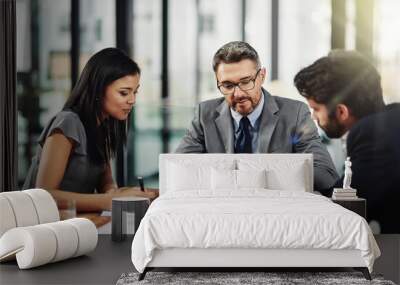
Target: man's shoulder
point(212, 102)
point(389, 112)
point(211, 108)
point(386, 121)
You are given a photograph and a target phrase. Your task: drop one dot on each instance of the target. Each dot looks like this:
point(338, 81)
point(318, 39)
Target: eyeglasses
point(227, 88)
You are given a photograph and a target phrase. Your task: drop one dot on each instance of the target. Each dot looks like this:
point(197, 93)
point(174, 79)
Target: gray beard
point(253, 105)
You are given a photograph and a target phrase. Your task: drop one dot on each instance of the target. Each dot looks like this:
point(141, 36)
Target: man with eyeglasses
point(250, 120)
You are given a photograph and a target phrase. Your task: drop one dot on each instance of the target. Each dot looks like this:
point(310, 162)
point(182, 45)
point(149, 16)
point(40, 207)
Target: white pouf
point(23, 208)
point(46, 207)
point(31, 232)
point(7, 218)
point(40, 244)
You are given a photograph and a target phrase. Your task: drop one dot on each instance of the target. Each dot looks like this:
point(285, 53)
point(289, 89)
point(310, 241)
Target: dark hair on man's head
point(342, 77)
point(234, 52)
point(86, 99)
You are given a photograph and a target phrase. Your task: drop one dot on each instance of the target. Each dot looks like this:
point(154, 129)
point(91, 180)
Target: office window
point(220, 23)
point(54, 56)
point(350, 40)
point(144, 139)
point(197, 30)
point(43, 70)
point(304, 36)
point(97, 27)
point(258, 30)
point(184, 21)
point(387, 47)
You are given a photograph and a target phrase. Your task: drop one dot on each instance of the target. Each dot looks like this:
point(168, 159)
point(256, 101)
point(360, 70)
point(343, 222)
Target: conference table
point(110, 259)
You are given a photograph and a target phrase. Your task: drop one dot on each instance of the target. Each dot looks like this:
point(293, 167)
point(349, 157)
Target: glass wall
point(258, 27)
point(43, 70)
point(97, 27)
point(144, 140)
point(304, 35)
point(387, 47)
point(196, 29)
point(184, 85)
point(350, 25)
point(44, 61)
point(219, 23)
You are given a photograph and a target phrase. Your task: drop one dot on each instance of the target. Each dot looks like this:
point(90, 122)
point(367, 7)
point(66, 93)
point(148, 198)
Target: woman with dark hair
point(73, 157)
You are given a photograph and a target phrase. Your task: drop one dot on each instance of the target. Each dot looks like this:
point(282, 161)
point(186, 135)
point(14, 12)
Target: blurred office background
point(174, 42)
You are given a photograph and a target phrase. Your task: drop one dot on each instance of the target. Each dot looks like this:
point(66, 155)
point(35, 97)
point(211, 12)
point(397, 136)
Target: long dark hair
point(86, 99)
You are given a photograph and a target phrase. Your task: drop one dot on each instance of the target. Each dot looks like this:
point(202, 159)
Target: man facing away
point(249, 120)
point(344, 90)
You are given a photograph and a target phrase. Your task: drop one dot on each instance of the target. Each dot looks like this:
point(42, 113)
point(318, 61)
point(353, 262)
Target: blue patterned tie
point(243, 142)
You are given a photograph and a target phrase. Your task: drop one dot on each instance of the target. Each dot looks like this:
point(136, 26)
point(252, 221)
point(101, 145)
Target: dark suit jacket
point(286, 127)
point(373, 145)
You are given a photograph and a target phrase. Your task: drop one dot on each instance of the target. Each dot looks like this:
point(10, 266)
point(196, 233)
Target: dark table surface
point(110, 259)
point(104, 265)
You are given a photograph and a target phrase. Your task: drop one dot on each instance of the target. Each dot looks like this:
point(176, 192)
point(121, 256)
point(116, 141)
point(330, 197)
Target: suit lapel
point(225, 127)
point(269, 118)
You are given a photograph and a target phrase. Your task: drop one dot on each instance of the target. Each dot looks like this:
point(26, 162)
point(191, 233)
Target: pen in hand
point(141, 184)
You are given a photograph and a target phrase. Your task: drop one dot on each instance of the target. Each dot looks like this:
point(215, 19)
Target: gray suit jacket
point(286, 127)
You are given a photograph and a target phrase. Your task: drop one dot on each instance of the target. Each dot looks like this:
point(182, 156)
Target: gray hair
point(233, 52)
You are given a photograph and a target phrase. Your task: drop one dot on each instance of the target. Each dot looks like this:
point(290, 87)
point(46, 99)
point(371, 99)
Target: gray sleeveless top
point(81, 175)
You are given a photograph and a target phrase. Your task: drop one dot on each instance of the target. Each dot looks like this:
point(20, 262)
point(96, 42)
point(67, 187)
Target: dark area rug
point(225, 278)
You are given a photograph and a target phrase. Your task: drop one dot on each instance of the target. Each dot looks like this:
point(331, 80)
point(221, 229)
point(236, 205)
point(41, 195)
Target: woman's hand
point(150, 193)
